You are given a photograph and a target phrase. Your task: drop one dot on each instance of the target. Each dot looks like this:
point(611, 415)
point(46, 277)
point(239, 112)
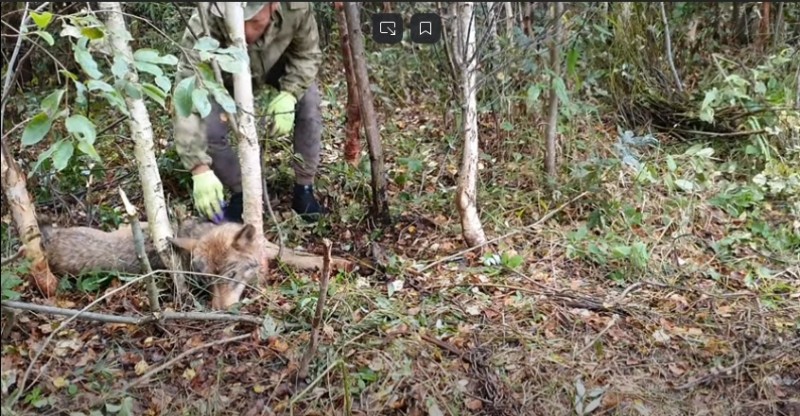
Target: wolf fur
point(229, 250)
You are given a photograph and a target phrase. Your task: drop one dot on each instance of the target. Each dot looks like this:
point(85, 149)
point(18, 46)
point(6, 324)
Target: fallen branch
point(544, 218)
point(13, 398)
point(141, 251)
point(181, 356)
point(302, 370)
point(122, 319)
point(13, 257)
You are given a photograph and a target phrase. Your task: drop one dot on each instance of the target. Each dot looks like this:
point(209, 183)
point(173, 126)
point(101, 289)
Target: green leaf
point(572, 61)
point(164, 83)
point(89, 150)
point(62, 152)
point(115, 99)
point(46, 36)
point(206, 73)
point(621, 252)
point(671, 165)
point(51, 103)
point(92, 33)
point(224, 99)
point(152, 56)
point(81, 127)
point(148, 68)
point(706, 110)
point(561, 90)
point(230, 64)
point(95, 84)
point(71, 31)
point(183, 96)
point(685, 185)
point(120, 68)
point(155, 93)
point(534, 91)
point(760, 88)
point(206, 43)
point(80, 96)
point(705, 152)
point(42, 157)
point(201, 103)
point(133, 90)
point(36, 129)
point(85, 60)
point(42, 20)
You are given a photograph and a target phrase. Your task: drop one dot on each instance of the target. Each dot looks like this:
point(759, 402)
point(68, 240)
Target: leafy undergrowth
point(669, 285)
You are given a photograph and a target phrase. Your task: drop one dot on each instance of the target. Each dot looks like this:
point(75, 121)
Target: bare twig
point(668, 41)
point(141, 251)
point(181, 356)
point(311, 385)
point(542, 220)
point(13, 398)
point(121, 319)
point(302, 371)
point(611, 323)
point(14, 256)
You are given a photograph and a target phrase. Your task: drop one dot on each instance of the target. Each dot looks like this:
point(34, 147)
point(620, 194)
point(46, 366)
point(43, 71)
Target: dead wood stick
point(181, 356)
point(544, 218)
point(302, 370)
point(141, 252)
point(14, 256)
point(122, 319)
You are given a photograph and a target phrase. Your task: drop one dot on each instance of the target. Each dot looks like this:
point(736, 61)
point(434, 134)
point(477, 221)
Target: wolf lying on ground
point(230, 250)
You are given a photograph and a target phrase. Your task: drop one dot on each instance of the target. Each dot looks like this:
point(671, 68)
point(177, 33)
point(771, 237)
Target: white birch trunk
point(509, 18)
point(464, 47)
point(142, 132)
point(249, 152)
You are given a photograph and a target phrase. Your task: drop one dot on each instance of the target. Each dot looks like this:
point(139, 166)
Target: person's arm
point(304, 56)
point(189, 132)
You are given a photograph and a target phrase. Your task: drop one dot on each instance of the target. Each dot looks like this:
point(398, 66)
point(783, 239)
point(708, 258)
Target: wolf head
point(229, 251)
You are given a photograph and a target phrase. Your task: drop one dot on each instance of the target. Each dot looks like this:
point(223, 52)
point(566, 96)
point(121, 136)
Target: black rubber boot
point(305, 204)
point(234, 210)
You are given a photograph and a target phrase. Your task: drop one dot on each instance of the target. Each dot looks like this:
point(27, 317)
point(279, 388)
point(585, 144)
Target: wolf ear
point(244, 237)
point(185, 244)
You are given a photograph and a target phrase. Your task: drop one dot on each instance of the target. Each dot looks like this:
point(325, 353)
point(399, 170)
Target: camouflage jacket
point(292, 34)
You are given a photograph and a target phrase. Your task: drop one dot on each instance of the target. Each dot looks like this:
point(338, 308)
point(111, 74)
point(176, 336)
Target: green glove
point(208, 194)
point(281, 108)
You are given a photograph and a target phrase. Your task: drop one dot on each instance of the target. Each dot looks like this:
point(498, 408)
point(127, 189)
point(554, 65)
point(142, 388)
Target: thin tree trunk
point(22, 211)
point(763, 36)
point(380, 204)
point(143, 150)
point(492, 17)
point(464, 51)
point(509, 18)
point(387, 7)
point(15, 188)
point(668, 41)
point(249, 153)
point(555, 67)
point(778, 30)
point(352, 127)
point(526, 18)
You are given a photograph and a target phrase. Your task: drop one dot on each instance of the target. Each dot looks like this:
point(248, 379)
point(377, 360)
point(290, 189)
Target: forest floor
point(633, 299)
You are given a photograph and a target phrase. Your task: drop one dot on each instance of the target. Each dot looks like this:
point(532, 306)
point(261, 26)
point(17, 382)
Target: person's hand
point(281, 108)
point(207, 194)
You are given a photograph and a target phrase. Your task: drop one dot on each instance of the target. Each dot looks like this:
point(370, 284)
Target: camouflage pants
point(307, 136)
